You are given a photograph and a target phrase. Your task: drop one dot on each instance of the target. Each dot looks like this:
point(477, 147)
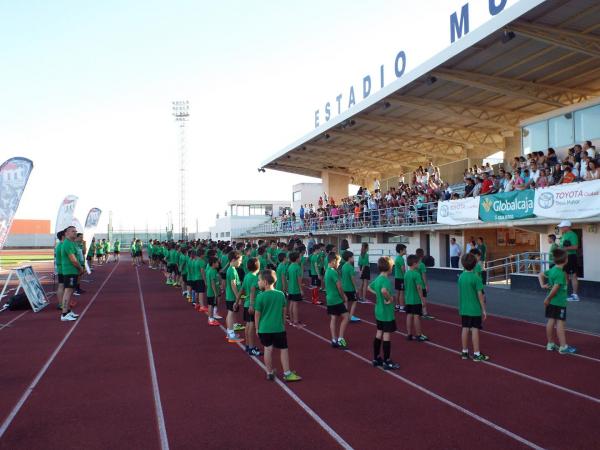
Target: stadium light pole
point(181, 112)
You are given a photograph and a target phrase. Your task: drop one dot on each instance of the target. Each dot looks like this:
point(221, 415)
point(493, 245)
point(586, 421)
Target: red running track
point(105, 387)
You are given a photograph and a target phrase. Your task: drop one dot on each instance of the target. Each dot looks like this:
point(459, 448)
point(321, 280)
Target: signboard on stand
point(32, 287)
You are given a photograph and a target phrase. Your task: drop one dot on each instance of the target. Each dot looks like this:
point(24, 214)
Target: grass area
point(15, 260)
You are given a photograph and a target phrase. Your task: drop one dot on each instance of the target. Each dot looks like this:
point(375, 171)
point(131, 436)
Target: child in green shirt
point(399, 269)
point(269, 320)
point(384, 314)
point(365, 271)
point(249, 292)
point(414, 299)
point(294, 287)
point(556, 302)
point(423, 272)
point(471, 307)
point(335, 302)
point(348, 285)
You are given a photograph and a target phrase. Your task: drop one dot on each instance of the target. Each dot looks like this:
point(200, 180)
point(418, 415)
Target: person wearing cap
point(569, 241)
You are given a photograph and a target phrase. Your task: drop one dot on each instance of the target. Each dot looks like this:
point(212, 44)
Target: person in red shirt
point(568, 176)
point(486, 185)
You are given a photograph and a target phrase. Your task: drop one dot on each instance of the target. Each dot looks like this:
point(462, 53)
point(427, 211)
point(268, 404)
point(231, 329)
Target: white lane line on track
point(160, 417)
point(340, 440)
point(504, 368)
point(530, 322)
point(7, 324)
point(45, 367)
point(438, 397)
point(523, 341)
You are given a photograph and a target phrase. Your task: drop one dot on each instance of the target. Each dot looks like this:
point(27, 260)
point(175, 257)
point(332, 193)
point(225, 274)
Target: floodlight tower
point(181, 112)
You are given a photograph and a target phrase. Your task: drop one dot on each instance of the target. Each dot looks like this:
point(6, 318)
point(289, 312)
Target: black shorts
point(171, 268)
point(193, 284)
point(365, 273)
point(184, 278)
point(414, 309)
point(175, 269)
point(386, 326)
point(399, 284)
point(471, 322)
point(89, 257)
point(70, 281)
point(116, 252)
point(223, 275)
point(336, 310)
point(277, 340)
point(211, 301)
point(571, 266)
point(241, 273)
point(556, 312)
point(247, 316)
point(229, 304)
point(138, 253)
point(424, 292)
point(61, 278)
point(351, 296)
point(154, 257)
point(315, 281)
point(200, 287)
point(295, 297)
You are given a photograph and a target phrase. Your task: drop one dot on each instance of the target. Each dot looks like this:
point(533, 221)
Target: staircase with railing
point(499, 270)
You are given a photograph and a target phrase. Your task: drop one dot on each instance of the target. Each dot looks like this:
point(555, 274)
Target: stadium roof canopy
point(466, 102)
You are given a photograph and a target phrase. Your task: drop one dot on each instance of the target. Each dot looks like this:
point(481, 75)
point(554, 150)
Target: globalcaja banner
point(460, 211)
point(507, 206)
point(66, 210)
point(568, 201)
point(93, 218)
point(14, 174)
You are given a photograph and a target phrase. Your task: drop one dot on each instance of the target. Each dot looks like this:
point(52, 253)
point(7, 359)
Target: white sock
point(465, 350)
point(477, 353)
point(287, 372)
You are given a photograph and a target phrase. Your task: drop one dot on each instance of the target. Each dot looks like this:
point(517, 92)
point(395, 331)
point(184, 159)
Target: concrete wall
point(335, 185)
point(309, 193)
point(29, 241)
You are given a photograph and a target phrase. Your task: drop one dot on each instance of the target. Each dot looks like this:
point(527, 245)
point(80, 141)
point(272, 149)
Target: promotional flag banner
point(66, 210)
point(458, 212)
point(14, 174)
point(93, 218)
point(32, 287)
point(568, 201)
point(507, 206)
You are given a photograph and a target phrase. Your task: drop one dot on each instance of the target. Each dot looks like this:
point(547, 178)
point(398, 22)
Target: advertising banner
point(32, 287)
point(507, 206)
point(458, 212)
point(14, 174)
point(66, 210)
point(568, 201)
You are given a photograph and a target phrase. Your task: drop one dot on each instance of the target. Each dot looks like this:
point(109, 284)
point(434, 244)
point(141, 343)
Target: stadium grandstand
point(524, 82)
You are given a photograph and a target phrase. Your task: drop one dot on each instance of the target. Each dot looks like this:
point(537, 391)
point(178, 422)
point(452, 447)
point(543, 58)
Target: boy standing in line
point(471, 307)
point(294, 283)
point(384, 313)
point(314, 274)
point(348, 285)
point(212, 289)
point(250, 291)
point(423, 272)
point(556, 302)
point(232, 297)
point(335, 302)
point(399, 269)
point(58, 263)
point(71, 269)
point(269, 320)
point(281, 284)
point(413, 285)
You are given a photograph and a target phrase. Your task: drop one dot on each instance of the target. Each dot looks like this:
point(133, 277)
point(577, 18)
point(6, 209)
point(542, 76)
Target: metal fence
point(532, 263)
point(414, 215)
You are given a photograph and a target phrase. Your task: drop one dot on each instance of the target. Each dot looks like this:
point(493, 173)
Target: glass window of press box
point(562, 131)
point(251, 210)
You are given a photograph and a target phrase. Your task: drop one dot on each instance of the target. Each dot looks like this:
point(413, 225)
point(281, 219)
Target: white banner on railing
point(66, 210)
point(568, 201)
point(458, 212)
point(14, 174)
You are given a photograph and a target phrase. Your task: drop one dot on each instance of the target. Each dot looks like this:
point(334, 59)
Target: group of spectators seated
point(536, 170)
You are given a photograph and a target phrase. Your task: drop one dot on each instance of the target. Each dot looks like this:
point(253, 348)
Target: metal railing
point(414, 215)
point(499, 270)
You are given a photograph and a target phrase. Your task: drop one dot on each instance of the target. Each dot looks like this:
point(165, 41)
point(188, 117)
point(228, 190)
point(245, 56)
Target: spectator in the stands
point(508, 184)
point(592, 173)
point(455, 252)
point(568, 175)
point(542, 180)
point(487, 184)
point(590, 149)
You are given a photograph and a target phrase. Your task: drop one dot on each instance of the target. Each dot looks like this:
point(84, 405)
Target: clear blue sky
point(87, 86)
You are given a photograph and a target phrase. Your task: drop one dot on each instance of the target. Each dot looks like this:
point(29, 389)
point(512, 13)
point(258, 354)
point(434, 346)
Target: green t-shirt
point(571, 237)
point(555, 276)
point(412, 279)
point(80, 259)
point(250, 281)
point(321, 261)
point(553, 247)
point(398, 266)
point(281, 269)
point(483, 249)
point(331, 290)
point(117, 246)
point(477, 270)
point(193, 269)
point(91, 249)
point(383, 312)
point(293, 272)
point(313, 260)
point(68, 248)
point(469, 285)
point(172, 256)
point(262, 260)
point(58, 258)
point(107, 247)
point(232, 275)
point(270, 304)
point(363, 260)
point(99, 248)
point(212, 276)
point(347, 278)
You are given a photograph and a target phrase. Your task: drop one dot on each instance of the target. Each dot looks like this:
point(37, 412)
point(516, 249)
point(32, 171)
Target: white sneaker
point(217, 317)
point(67, 318)
point(573, 298)
point(73, 314)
